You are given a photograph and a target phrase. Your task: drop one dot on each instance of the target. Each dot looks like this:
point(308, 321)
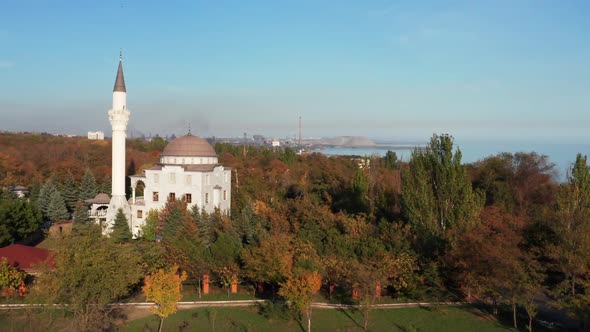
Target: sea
point(560, 154)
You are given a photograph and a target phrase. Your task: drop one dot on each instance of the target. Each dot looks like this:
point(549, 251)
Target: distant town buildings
point(96, 135)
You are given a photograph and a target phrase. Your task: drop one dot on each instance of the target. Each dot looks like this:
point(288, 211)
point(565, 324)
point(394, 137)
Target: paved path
point(248, 303)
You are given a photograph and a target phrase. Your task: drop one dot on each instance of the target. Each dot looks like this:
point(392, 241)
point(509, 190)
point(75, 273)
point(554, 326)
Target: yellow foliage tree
point(299, 290)
point(163, 288)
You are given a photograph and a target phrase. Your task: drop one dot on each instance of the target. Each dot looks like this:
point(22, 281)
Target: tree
point(10, 276)
point(163, 288)
point(300, 290)
point(570, 251)
point(45, 194)
point(271, 261)
point(18, 219)
point(120, 232)
point(69, 191)
point(90, 273)
point(56, 209)
point(88, 186)
point(149, 229)
point(437, 195)
point(80, 213)
point(391, 161)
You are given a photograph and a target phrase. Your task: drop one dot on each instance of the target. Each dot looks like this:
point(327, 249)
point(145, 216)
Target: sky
point(497, 70)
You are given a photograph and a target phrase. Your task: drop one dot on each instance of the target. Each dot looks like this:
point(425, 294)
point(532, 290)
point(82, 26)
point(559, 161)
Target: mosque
point(188, 169)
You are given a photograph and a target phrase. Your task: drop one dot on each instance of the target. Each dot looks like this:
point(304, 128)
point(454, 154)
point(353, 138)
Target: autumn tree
point(90, 273)
point(271, 261)
point(120, 230)
point(164, 289)
point(437, 195)
point(299, 290)
point(10, 276)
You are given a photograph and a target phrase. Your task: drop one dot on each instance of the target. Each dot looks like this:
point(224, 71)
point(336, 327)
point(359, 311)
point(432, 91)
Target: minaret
point(119, 117)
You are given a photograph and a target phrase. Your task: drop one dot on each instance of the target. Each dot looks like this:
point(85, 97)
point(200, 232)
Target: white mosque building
point(188, 170)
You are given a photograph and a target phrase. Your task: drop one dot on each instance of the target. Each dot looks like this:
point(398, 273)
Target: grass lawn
point(248, 319)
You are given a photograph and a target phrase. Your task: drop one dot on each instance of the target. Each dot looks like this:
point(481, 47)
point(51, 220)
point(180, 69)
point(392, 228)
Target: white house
point(96, 135)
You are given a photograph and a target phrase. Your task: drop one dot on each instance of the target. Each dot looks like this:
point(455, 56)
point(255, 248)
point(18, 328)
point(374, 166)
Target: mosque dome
point(191, 150)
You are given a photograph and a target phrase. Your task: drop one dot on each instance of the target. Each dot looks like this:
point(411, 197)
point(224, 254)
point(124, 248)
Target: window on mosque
point(172, 196)
point(206, 198)
point(155, 196)
point(139, 214)
point(188, 197)
point(225, 195)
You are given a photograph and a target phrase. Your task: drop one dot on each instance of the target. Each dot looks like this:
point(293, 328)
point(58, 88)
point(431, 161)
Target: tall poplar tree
point(571, 249)
point(437, 195)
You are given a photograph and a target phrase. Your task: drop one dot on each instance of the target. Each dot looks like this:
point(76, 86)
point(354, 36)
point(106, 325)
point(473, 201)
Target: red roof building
point(27, 258)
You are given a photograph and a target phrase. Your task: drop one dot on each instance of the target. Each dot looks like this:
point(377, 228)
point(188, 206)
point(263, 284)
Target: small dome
point(189, 146)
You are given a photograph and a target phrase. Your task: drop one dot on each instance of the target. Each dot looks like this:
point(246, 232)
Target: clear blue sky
point(486, 70)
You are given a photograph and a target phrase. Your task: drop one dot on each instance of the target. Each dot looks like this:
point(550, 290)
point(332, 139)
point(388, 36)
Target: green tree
point(69, 191)
point(45, 194)
point(149, 229)
point(90, 273)
point(18, 219)
point(120, 232)
point(88, 186)
point(437, 195)
point(391, 161)
point(80, 213)
point(56, 209)
point(571, 249)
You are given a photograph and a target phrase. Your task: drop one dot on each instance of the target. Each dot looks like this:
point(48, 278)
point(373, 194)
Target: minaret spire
point(120, 81)
point(119, 118)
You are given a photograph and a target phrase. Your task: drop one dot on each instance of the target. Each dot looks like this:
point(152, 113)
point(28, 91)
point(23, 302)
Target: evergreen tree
point(56, 209)
point(69, 192)
point(45, 194)
point(88, 186)
point(106, 185)
point(80, 213)
point(120, 232)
